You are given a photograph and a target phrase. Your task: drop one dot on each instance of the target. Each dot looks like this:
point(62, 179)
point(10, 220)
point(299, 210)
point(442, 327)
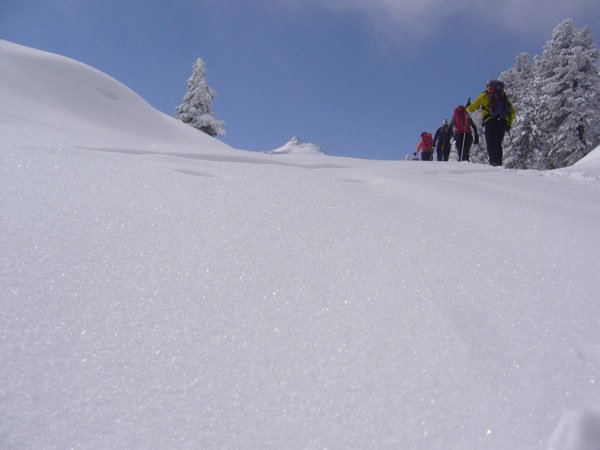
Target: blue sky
point(358, 78)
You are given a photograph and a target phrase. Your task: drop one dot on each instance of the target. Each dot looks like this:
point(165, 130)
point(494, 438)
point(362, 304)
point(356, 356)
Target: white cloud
point(419, 18)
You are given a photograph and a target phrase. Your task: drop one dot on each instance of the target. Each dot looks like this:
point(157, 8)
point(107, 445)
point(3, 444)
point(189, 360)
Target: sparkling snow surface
point(159, 289)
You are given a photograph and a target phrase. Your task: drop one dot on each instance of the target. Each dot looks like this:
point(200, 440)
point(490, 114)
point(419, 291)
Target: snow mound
point(591, 159)
point(587, 169)
point(296, 146)
point(59, 93)
point(577, 430)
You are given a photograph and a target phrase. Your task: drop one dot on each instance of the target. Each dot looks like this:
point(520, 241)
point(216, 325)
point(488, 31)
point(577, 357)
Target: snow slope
point(47, 93)
point(162, 290)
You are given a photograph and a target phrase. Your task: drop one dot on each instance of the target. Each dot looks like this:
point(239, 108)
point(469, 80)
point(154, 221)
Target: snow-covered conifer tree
point(527, 146)
point(524, 149)
point(518, 78)
point(567, 82)
point(196, 109)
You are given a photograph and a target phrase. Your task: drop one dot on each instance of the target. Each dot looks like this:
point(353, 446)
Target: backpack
point(427, 141)
point(499, 106)
point(462, 124)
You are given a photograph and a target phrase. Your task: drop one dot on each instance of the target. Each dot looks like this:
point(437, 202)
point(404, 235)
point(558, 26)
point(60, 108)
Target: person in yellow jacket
point(498, 114)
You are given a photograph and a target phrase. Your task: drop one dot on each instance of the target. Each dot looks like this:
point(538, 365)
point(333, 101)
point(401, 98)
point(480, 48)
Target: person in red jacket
point(462, 129)
point(425, 147)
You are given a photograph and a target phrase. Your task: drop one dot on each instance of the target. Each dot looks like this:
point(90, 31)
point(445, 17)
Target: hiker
point(462, 129)
point(498, 114)
point(581, 132)
point(441, 141)
point(425, 147)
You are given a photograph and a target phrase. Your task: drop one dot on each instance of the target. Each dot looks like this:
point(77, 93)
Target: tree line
point(557, 97)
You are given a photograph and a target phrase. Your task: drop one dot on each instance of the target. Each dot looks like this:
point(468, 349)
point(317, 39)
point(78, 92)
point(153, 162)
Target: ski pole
point(485, 153)
point(512, 143)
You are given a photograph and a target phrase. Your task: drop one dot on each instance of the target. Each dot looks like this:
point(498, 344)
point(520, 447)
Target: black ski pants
point(443, 150)
point(494, 135)
point(463, 145)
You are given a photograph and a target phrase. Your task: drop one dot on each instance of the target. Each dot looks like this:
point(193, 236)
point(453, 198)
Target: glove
point(507, 127)
point(476, 142)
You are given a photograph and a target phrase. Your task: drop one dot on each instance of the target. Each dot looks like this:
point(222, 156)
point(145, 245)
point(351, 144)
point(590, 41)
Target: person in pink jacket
point(425, 147)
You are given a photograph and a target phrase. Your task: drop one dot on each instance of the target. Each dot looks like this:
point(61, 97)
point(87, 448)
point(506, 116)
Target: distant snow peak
point(296, 146)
